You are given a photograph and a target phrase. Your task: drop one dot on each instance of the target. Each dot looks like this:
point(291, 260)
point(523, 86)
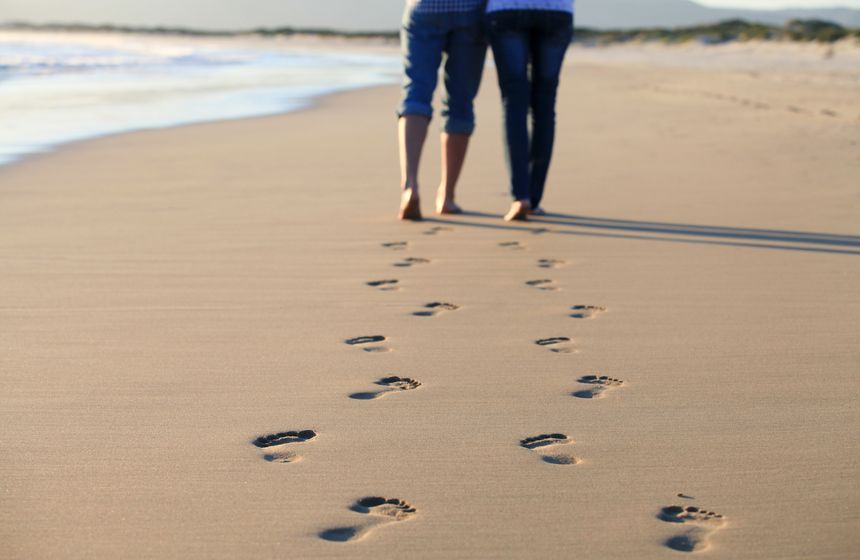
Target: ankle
point(410, 205)
point(518, 212)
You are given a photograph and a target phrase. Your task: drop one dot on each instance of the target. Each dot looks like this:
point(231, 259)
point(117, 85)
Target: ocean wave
point(62, 89)
point(30, 57)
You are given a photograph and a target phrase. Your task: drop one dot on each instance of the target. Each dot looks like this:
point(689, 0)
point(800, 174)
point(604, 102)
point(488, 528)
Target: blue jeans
point(521, 39)
point(426, 39)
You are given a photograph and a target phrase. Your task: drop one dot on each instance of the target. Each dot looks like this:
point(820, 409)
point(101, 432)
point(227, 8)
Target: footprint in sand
point(551, 263)
point(411, 261)
point(557, 344)
point(586, 311)
point(437, 229)
point(381, 511)
point(547, 440)
point(281, 454)
point(396, 245)
point(514, 245)
point(366, 341)
point(600, 385)
point(700, 525)
point(391, 384)
point(435, 308)
point(385, 285)
point(544, 284)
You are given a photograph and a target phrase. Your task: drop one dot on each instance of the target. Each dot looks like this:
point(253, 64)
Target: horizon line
point(167, 29)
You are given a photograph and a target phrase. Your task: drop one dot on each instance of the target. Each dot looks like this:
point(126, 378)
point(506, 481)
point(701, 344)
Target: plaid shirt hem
point(441, 6)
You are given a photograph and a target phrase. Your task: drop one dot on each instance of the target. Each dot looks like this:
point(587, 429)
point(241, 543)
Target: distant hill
point(615, 14)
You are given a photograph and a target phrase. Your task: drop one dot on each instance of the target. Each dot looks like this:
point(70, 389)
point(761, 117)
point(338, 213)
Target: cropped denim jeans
point(529, 48)
point(429, 38)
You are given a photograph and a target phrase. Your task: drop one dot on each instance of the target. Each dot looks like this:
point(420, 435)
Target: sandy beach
point(170, 296)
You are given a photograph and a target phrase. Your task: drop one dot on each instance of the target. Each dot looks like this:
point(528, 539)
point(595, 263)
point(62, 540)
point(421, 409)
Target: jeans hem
point(417, 111)
point(458, 127)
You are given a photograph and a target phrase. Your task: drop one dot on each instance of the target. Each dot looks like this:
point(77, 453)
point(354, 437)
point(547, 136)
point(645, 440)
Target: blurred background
point(380, 15)
point(74, 70)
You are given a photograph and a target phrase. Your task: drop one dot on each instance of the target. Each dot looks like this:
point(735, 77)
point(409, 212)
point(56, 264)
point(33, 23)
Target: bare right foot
point(518, 212)
point(410, 206)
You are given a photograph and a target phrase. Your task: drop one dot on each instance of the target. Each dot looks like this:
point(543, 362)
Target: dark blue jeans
point(524, 40)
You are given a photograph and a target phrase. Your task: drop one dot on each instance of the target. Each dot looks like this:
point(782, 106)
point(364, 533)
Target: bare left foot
point(518, 212)
point(447, 207)
point(537, 211)
point(410, 206)
point(445, 204)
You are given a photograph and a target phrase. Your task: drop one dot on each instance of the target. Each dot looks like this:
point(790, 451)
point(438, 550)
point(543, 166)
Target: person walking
point(529, 39)
point(438, 33)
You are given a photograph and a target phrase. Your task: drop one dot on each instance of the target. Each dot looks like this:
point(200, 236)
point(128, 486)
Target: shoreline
point(54, 149)
point(188, 80)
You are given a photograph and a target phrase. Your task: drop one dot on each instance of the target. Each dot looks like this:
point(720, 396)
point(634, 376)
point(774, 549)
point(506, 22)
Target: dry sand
point(169, 296)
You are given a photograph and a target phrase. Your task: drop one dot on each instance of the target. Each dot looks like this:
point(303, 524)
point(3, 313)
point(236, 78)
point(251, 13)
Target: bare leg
point(454, 148)
point(412, 131)
point(519, 211)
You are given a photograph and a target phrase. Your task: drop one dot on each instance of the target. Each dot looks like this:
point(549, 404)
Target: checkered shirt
point(442, 6)
point(553, 5)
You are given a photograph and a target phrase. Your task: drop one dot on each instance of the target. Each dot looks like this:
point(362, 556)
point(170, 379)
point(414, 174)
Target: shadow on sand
point(568, 224)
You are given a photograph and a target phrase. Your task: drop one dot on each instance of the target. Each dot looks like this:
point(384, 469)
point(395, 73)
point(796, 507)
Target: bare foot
point(447, 207)
point(410, 206)
point(537, 211)
point(518, 212)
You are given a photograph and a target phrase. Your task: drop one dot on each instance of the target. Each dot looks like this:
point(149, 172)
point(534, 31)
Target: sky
point(340, 14)
point(777, 4)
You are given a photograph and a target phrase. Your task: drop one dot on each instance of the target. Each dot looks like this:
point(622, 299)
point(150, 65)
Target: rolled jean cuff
point(458, 126)
point(411, 108)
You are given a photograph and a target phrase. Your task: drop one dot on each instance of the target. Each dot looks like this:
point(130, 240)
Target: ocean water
point(61, 87)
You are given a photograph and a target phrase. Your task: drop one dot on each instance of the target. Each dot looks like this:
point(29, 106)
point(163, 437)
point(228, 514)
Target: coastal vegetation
point(728, 31)
point(725, 32)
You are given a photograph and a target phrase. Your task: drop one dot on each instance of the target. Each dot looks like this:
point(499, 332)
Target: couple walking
point(529, 39)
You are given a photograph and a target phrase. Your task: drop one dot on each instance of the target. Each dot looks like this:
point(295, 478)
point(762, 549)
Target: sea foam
point(62, 87)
